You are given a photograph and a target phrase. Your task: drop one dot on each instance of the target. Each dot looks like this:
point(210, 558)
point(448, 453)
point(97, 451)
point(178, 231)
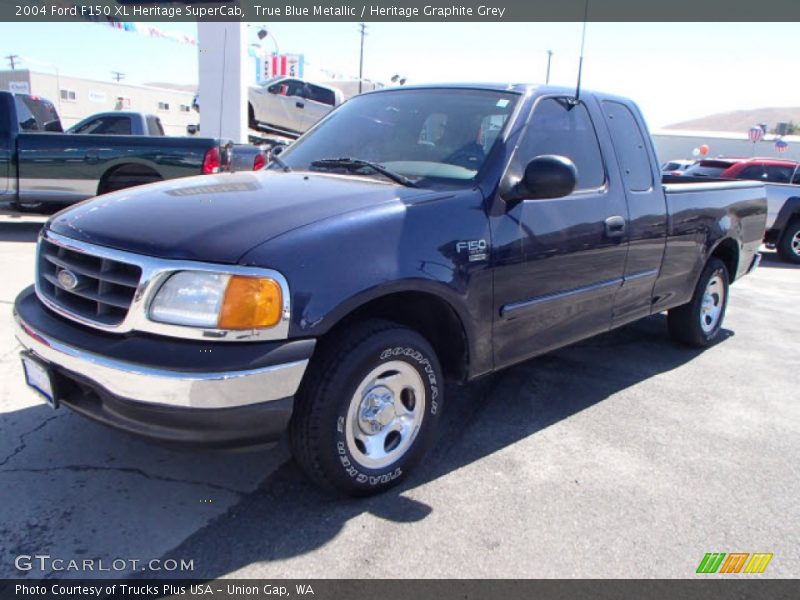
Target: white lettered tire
point(368, 409)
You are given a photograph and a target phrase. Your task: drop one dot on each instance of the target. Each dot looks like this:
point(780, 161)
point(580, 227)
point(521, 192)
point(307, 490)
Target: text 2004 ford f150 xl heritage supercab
point(413, 235)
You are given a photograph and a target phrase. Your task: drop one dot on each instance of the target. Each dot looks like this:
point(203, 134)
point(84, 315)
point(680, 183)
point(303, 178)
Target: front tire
point(789, 245)
point(699, 322)
point(368, 411)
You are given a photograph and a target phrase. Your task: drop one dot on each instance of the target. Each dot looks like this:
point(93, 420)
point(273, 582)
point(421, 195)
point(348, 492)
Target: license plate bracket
point(39, 377)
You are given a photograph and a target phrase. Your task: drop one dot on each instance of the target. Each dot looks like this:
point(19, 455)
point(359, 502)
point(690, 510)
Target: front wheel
point(368, 410)
point(789, 245)
point(699, 322)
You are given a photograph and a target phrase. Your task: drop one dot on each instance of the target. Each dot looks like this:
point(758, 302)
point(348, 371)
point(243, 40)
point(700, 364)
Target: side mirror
point(547, 176)
point(277, 149)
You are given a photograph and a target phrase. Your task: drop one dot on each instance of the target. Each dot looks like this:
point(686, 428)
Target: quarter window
point(557, 127)
point(630, 147)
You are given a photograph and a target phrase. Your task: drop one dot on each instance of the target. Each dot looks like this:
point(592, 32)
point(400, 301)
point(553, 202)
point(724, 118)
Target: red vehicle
point(764, 169)
point(756, 169)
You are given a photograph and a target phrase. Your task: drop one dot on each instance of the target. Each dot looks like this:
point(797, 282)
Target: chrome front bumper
point(229, 389)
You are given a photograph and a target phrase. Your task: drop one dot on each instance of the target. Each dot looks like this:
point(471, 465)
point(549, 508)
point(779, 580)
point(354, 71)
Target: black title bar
point(405, 10)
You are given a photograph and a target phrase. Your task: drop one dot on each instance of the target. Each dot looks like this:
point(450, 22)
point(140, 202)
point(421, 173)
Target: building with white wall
point(77, 98)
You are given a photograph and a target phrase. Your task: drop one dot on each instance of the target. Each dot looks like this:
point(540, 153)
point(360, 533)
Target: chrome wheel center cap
point(377, 410)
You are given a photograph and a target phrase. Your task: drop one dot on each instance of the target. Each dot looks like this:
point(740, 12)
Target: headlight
point(217, 301)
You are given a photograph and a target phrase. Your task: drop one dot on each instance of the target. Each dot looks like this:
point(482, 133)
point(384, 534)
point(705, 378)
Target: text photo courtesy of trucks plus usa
point(280, 293)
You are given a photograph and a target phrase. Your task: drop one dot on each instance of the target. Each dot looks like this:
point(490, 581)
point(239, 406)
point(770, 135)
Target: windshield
point(428, 136)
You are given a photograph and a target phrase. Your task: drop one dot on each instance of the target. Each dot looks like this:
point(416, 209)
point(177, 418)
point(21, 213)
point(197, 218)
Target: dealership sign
point(290, 65)
point(19, 87)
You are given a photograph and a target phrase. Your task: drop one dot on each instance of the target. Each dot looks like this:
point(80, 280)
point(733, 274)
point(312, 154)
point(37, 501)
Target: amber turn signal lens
point(250, 303)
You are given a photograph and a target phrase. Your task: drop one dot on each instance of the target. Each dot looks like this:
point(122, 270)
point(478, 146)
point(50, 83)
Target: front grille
point(104, 289)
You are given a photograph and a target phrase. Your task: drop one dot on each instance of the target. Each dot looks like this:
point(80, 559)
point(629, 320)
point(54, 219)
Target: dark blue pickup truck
point(413, 236)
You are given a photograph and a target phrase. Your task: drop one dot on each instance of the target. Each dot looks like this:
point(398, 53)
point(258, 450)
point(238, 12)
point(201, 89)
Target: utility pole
point(363, 28)
point(117, 76)
point(549, 57)
point(11, 58)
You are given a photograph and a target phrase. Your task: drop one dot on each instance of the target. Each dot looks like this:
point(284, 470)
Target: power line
point(363, 29)
point(11, 60)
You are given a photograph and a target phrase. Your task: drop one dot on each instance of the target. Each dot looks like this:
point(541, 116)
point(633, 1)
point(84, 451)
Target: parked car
point(119, 123)
point(782, 179)
point(336, 291)
point(290, 106)
point(676, 167)
point(711, 167)
point(764, 169)
point(40, 165)
point(782, 183)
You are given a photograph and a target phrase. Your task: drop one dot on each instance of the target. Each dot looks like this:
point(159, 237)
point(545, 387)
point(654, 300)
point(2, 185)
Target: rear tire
point(789, 245)
point(367, 412)
point(699, 322)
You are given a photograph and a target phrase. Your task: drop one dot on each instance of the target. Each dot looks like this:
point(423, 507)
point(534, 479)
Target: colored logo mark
point(735, 562)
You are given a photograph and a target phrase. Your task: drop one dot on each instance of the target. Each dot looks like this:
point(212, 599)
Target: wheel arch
point(132, 167)
point(727, 250)
point(426, 312)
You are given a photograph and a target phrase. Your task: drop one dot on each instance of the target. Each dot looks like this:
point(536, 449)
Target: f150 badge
point(476, 249)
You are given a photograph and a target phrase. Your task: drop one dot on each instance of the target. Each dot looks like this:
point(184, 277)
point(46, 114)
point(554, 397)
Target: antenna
point(577, 98)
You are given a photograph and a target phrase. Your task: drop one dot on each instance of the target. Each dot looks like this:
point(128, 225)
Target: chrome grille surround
point(115, 289)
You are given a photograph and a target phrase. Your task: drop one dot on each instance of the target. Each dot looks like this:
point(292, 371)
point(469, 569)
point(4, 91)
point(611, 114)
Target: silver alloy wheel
point(713, 302)
point(385, 414)
point(795, 244)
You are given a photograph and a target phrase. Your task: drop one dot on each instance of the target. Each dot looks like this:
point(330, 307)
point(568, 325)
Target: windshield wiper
point(357, 163)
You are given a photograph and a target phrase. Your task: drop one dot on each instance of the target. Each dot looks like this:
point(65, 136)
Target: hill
point(741, 120)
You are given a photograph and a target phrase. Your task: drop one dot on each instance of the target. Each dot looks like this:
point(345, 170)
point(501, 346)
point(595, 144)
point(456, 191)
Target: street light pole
point(549, 57)
point(363, 28)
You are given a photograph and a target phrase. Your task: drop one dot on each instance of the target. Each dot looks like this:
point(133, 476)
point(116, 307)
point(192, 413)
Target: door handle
point(299, 104)
point(615, 226)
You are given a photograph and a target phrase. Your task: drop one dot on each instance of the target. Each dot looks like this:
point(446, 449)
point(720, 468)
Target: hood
point(219, 218)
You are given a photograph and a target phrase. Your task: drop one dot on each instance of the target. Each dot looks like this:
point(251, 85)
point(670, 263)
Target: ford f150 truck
point(414, 235)
point(39, 164)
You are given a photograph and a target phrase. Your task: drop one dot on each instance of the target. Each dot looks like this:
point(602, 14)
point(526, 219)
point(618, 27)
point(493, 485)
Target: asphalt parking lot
point(622, 456)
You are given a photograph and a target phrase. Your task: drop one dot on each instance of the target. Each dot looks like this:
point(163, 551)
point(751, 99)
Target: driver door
point(558, 262)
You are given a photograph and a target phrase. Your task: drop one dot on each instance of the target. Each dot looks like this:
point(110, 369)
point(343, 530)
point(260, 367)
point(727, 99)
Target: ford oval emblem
point(67, 279)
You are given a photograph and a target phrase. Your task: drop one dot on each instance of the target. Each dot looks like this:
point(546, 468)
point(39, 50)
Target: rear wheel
point(699, 322)
point(789, 245)
point(368, 411)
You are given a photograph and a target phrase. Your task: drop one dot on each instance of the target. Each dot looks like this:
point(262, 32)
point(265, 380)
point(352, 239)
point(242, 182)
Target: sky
point(674, 71)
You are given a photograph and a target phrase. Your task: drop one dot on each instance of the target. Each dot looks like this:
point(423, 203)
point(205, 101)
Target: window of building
point(163, 106)
point(68, 95)
point(185, 108)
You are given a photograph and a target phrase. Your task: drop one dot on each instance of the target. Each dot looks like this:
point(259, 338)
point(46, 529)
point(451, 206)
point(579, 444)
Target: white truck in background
point(290, 105)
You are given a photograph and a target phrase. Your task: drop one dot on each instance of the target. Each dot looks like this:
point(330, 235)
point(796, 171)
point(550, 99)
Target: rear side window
point(36, 114)
point(630, 147)
point(708, 168)
point(564, 130)
point(322, 95)
point(107, 125)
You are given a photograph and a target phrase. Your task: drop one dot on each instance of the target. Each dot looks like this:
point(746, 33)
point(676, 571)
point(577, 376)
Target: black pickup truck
point(39, 164)
point(414, 235)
